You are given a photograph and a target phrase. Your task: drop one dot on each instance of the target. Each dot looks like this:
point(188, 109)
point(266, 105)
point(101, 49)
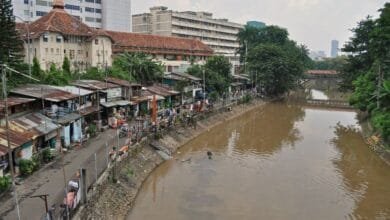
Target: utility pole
point(204, 87)
point(10, 160)
point(4, 69)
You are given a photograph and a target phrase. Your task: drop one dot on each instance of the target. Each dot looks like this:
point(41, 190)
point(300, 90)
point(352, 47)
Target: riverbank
point(372, 139)
point(114, 200)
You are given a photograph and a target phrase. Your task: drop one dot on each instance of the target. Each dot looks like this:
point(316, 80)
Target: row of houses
point(45, 116)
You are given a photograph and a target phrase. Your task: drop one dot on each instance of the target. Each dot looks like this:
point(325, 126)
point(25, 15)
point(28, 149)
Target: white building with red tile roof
point(58, 35)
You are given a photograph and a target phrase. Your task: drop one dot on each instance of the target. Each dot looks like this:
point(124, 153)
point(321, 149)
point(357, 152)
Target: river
point(278, 161)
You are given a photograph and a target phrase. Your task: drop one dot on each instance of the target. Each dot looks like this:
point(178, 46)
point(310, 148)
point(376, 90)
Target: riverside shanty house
point(60, 106)
point(129, 90)
point(114, 107)
point(190, 90)
point(28, 132)
point(87, 105)
point(172, 98)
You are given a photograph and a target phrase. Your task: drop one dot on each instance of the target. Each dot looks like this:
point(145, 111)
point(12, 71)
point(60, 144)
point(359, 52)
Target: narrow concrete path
point(50, 179)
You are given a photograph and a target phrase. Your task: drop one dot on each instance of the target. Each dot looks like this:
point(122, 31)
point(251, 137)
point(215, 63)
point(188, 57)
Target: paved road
point(50, 180)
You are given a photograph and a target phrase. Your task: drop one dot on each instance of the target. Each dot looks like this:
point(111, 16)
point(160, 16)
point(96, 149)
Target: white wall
point(117, 15)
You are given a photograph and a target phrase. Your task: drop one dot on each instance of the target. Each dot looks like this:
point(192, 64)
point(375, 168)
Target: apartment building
point(95, 13)
point(219, 34)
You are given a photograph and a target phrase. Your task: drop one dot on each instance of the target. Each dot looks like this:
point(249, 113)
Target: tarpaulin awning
point(116, 103)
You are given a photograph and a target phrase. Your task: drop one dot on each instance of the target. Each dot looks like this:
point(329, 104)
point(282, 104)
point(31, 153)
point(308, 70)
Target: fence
point(100, 160)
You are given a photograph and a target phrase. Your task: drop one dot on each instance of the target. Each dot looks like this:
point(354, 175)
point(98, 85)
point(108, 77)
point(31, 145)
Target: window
point(89, 19)
point(58, 39)
point(58, 51)
point(45, 38)
point(88, 9)
point(98, 1)
point(98, 20)
point(41, 13)
point(79, 51)
point(86, 54)
point(99, 11)
point(46, 50)
point(52, 50)
point(96, 41)
point(72, 7)
point(71, 54)
point(90, 1)
point(26, 2)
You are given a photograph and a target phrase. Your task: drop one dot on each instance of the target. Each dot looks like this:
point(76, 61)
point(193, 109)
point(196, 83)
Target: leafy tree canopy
point(272, 58)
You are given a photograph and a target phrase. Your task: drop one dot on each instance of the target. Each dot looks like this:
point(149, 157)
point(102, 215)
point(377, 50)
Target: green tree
point(11, 46)
point(137, 67)
point(368, 68)
point(66, 66)
point(56, 77)
point(217, 73)
point(272, 58)
point(336, 63)
point(360, 58)
point(274, 68)
point(36, 68)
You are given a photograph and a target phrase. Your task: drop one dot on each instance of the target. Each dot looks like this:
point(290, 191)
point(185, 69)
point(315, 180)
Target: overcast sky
point(311, 22)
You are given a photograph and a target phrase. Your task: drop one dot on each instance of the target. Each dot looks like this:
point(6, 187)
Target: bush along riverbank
point(113, 199)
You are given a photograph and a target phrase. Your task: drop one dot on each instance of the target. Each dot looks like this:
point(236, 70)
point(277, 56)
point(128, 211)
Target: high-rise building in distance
point(218, 34)
point(105, 14)
point(334, 48)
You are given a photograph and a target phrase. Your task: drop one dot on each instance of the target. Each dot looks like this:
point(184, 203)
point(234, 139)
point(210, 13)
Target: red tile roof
point(158, 44)
point(58, 20)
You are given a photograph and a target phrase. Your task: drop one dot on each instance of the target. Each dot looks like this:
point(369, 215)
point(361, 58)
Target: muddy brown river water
point(275, 162)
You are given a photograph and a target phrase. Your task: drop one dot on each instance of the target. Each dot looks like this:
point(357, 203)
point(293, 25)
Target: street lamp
point(26, 23)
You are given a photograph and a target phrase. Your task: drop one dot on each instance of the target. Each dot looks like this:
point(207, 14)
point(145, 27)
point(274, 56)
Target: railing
point(322, 102)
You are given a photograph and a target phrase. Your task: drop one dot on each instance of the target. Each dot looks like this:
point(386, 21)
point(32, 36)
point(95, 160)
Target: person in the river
point(210, 155)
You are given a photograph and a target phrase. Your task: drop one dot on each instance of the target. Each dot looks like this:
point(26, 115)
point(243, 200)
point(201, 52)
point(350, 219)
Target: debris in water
point(188, 160)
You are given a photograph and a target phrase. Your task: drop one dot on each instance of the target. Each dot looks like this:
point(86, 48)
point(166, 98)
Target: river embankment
point(114, 200)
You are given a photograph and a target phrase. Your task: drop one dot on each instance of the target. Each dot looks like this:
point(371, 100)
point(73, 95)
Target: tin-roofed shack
point(17, 107)
point(60, 105)
point(115, 107)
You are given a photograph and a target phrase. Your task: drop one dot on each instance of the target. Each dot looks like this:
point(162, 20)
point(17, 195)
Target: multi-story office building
point(218, 34)
point(95, 13)
point(334, 48)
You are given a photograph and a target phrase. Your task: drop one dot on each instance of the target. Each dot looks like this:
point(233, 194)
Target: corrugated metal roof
point(3, 151)
point(34, 123)
point(74, 90)
point(66, 119)
point(162, 91)
point(116, 103)
point(43, 91)
point(16, 138)
point(120, 82)
point(13, 101)
point(94, 84)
